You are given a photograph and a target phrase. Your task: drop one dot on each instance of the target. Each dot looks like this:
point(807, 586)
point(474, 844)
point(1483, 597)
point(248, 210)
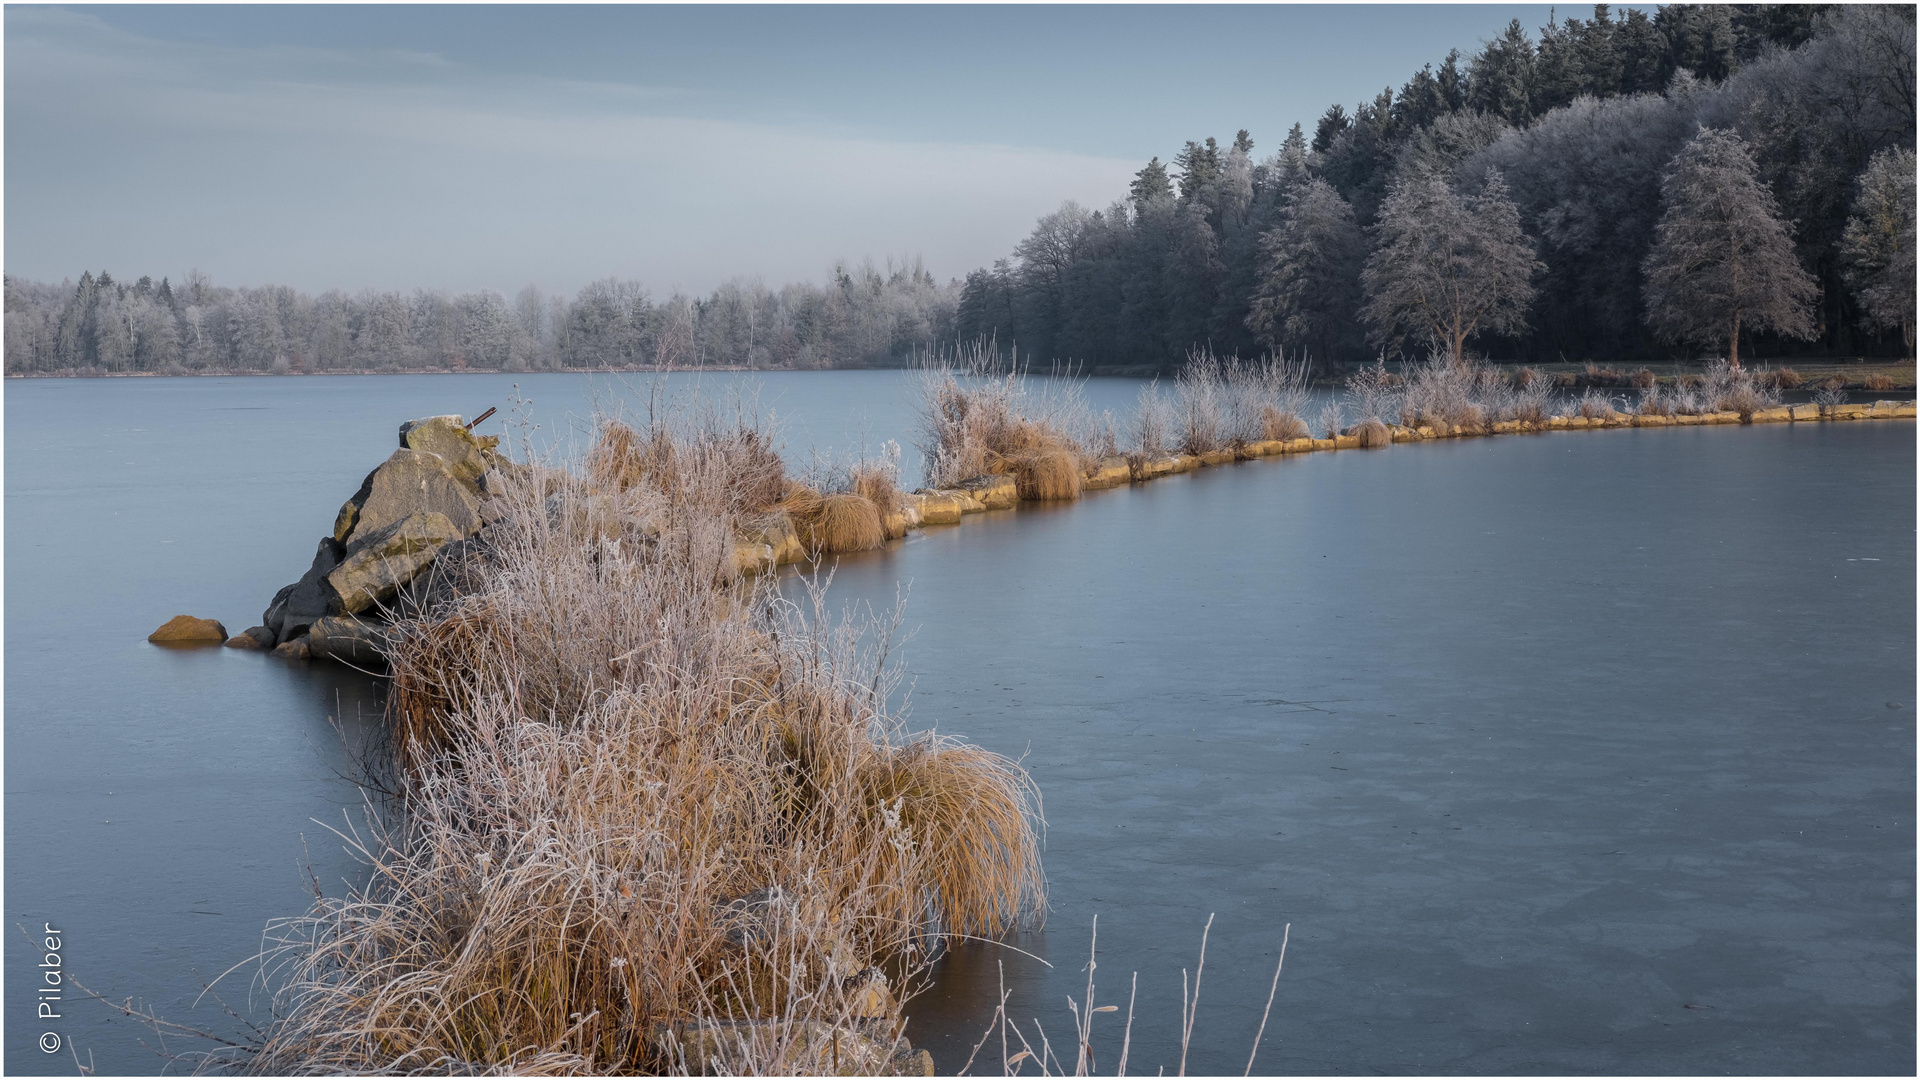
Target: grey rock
point(349, 640)
point(447, 438)
point(414, 482)
point(381, 561)
point(295, 607)
point(349, 514)
point(450, 577)
point(253, 637)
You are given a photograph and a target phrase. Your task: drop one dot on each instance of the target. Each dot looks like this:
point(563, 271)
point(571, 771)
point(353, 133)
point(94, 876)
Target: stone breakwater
point(779, 545)
point(438, 493)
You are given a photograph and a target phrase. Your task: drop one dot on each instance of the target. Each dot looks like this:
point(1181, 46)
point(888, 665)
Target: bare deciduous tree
point(1447, 266)
point(1721, 258)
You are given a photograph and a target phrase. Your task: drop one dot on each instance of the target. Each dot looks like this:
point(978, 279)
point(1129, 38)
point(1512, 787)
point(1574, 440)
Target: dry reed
point(843, 521)
point(1374, 435)
point(977, 420)
point(1046, 475)
point(1224, 404)
point(653, 820)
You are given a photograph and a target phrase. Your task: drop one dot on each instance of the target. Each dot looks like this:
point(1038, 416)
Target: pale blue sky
point(466, 147)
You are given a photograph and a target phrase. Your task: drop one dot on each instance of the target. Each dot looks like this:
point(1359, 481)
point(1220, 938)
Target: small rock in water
point(294, 650)
point(187, 630)
point(254, 637)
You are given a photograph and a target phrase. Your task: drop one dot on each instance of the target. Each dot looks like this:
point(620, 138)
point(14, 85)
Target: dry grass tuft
point(843, 521)
point(651, 821)
point(622, 459)
point(1591, 405)
point(1275, 424)
point(1878, 380)
point(1729, 389)
point(1374, 435)
point(1047, 475)
point(977, 421)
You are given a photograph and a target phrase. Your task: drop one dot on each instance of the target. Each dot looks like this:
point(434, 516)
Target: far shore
point(1854, 372)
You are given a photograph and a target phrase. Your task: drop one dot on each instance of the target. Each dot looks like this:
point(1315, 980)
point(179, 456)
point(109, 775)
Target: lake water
point(1585, 752)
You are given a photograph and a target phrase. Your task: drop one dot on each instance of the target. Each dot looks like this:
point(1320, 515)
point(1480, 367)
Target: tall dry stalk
point(1084, 1010)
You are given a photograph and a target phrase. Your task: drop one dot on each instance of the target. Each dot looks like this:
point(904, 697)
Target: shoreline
point(779, 546)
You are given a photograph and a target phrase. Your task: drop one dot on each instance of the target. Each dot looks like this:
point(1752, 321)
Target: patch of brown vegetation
point(1047, 475)
point(641, 803)
point(1373, 434)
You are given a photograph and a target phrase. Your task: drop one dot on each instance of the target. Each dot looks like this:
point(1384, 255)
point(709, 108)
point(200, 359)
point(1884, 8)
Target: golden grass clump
point(622, 459)
point(843, 521)
point(729, 464)
point(1374, 435)
point(1046, 475)
point(649, 821)
point(1275, 424)
point(977, 421)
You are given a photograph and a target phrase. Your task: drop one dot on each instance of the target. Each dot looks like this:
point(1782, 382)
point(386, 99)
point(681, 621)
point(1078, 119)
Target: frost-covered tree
point(1310, 273)
point(1050, 249)
point(1448, 267)
point(1587, 180)
point(1722, 260)
point(1878, 245)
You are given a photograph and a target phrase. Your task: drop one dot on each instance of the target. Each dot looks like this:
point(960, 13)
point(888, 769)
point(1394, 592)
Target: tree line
point(864, 315)
point(1632, 187)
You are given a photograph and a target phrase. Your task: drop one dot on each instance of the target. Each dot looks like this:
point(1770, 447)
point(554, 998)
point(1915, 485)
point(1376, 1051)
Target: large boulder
point(379, 562)
point(187, 630)
point(446, 437)
point(993, 492)
point(777, 532)
point(938, 508)
point(414, 482)
point(348, 640)
point(295, 607)
point(1109, 472)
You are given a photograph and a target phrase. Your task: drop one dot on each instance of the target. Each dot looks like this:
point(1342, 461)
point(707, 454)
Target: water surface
point(1535, 742)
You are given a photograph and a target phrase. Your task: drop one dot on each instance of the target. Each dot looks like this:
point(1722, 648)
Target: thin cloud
point(382, 168)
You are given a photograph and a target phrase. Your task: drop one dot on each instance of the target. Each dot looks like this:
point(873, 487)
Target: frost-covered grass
point(650, 817)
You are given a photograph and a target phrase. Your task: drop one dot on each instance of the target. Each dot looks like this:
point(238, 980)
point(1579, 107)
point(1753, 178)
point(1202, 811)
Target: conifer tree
point(1722, 260)
point(1502, 80)
point(1149, 185)
point(1310, 273)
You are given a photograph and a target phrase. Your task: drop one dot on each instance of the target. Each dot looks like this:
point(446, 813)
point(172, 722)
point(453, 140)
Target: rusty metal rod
point(471, 423)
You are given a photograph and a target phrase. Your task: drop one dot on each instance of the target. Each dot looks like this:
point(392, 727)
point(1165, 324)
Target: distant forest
point(1556, 159)
point(867, 315)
